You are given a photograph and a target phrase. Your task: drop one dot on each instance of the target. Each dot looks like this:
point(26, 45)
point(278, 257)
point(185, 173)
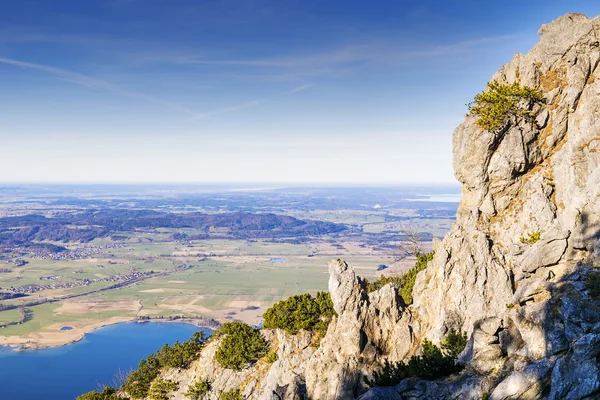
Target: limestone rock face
point(511, 273)
point(533, 327)
point(368, 327)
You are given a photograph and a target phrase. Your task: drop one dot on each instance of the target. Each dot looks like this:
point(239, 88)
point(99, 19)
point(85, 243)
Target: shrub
point(138, 382)
point(160, 388)
point(300, 312)
point(241, 345)
point(271, 357)
point(383, 280)
point(434, 363)
point(325, 303)
point(408, 279)
point(592, 284)
point(502, 103)
point(233, 394)
point(454, 343)
point(179, 356)
point(198, 389)
point(404, 283)
point(107, 393)
point(531, 238)
point(485, 396)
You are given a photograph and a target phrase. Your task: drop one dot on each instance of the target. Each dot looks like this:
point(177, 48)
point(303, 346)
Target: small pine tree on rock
point(501, 104)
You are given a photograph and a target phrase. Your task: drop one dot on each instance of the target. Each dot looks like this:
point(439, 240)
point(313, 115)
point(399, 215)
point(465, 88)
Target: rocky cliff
point(511, 273)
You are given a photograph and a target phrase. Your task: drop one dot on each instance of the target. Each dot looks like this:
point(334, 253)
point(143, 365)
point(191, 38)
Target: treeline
point(180, 355)
point(25, 315)
point(200, 321)
point(88, 225)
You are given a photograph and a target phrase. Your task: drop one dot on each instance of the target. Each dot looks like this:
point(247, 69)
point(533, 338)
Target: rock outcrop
point(523, 301)
point(366, 329)
point(511, 273)
point(533, 327)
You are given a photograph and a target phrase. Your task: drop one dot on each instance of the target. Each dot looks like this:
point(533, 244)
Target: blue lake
point(63, 373)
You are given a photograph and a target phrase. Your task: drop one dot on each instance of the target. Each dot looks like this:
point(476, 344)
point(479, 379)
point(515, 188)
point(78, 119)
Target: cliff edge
point(512, 272)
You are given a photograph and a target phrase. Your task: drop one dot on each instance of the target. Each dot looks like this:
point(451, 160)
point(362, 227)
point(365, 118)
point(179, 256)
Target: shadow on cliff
point(544, 345)
point(547, 343)
point(588, 232)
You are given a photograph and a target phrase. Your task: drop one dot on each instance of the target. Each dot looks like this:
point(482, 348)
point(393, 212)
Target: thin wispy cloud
point(300, 88)
point(238, 107)
point(343, 55)
point(375, 52)
point(249, 104)
point(93, 83)
point(459, 47)
point(69, 76)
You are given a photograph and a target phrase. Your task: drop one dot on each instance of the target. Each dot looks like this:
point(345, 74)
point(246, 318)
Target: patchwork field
point(73, 258)
point(225, 280)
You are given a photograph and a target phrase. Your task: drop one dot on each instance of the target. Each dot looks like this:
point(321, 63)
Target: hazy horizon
point(278, 184)
point(125, 91)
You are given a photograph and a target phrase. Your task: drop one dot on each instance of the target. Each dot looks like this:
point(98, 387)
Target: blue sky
point(286, 91)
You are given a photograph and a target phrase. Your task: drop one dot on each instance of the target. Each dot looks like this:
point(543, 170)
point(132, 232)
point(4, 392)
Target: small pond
point(277, 260)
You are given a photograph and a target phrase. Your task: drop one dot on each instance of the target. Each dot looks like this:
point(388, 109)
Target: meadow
point(226, 280)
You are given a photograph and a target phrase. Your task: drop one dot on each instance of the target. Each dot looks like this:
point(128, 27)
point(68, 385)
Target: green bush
point(160, 389)
point(138, 382)
point(404, 283)
point(500, 104)
point(233, 394)
point(271, 357)
point(383, 280)
point(241, 345)
point(198, 389)
point(454, 343)
point(301, 312)
point(107, 393)
point(434, 363)
point(592, 284)
point(531, 238)
point(179, 356)
point(408, 279)
point(325, 303)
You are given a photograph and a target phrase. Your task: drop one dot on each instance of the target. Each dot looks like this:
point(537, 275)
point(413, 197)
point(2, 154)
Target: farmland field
point(122, 264)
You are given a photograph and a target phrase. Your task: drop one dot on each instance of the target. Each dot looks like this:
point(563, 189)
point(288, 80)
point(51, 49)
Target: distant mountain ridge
point(88, 225)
